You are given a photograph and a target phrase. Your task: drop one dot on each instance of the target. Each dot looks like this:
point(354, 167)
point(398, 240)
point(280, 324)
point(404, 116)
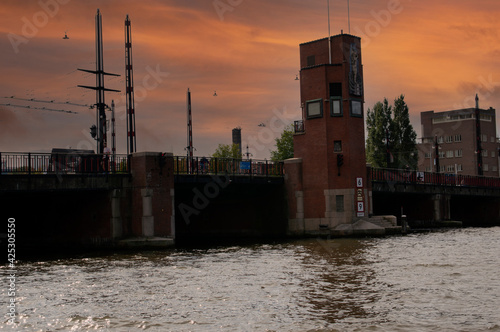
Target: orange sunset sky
point(439, 54)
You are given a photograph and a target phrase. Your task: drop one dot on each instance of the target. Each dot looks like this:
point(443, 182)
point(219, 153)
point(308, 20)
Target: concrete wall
point(72, 211)
point(152, 194)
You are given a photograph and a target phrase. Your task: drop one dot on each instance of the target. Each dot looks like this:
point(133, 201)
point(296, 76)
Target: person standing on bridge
point(105, 157)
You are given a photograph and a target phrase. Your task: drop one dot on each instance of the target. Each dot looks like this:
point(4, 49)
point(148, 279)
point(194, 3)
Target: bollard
point(404, 224)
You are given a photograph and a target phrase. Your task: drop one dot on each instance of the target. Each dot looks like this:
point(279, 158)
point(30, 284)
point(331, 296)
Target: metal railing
point(50, 163)
point(203, 165)
point(428, 178)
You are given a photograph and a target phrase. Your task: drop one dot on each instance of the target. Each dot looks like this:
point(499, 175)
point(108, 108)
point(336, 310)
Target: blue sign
point(245, 165)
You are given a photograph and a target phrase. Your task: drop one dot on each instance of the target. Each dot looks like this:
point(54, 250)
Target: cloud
point(427, 51)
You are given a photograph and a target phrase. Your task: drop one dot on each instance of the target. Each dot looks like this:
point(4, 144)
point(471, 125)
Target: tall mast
point(113, 134)
point(100, 89)
point(479, 150)
point(129, 78)
point(190, 129)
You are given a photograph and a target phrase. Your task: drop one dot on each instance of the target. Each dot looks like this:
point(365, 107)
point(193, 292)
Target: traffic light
point(340, 160)
point(93, 131)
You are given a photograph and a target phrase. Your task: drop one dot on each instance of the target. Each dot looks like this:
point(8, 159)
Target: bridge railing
point(441, 179)
point(204, 165)
point(66, 163)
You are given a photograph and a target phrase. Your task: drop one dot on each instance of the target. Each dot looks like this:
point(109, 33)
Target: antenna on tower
point(129, 79)
point(348, 18)
point(329, 38)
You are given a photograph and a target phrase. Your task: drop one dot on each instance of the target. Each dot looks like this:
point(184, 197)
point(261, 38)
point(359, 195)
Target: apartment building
point(460, 141)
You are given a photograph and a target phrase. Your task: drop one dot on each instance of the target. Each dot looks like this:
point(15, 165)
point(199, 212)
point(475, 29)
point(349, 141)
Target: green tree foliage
point(404, 138)
point(378, 122)
point(227, 151)
point(391, 140)
point(284, 145)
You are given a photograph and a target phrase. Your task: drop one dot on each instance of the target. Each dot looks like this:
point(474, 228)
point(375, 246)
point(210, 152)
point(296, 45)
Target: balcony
point(298, 127)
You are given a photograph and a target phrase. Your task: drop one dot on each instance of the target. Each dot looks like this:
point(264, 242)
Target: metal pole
point(129, 78)
point(190, 133)
point(329, 39)
point(479, 150)
point(113, 137)
point(348, 18)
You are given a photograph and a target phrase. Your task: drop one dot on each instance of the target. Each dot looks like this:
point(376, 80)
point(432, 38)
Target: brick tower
point(326, 179)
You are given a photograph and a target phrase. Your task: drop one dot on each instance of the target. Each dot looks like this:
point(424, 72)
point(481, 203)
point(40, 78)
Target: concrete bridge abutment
point(152, 194)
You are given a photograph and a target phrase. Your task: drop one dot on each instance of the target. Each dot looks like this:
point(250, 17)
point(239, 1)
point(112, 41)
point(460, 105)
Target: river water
point(440, 281)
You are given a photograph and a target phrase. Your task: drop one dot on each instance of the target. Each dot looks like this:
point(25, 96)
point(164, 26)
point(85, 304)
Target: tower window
point(335, 106)
point(311, 60)
point(314, 108)
point(335, 89)
point(356, 108)
point(337, 146)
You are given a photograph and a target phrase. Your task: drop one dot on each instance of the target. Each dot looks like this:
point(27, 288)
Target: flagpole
point(348, 18)
point(329, 42)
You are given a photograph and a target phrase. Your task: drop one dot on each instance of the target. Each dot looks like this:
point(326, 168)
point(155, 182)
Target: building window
point(450, 168)
point(427, 155)
point(311, 60)
point(440, 140)
point(484, 153)
point(449, 154)
point(428, 169)
point(335, 106)
point(492, 154)
point(335, 89)
point(484, 138)
point(459, 168)
point(458, 153)
point(441, 154)
point(485, 167)
point(493, 140)
point(449, 139)
point(337, 146)
point(356, 108)
point(314, 108)
point(441, 169)
point(339, 203)
point(493, 168)
point(458, 138)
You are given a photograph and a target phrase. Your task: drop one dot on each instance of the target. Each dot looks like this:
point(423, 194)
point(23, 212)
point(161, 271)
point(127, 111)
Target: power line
point(39, 108)
point(49, 102)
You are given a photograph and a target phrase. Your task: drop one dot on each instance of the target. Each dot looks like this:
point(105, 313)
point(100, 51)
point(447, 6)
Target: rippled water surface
point(443, 281)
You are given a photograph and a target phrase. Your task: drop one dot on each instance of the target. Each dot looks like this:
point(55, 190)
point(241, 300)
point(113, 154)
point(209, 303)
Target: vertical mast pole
point(190, 131)
point(329, 35)
point(479, 150)
point(129, 78)
point(113, 135)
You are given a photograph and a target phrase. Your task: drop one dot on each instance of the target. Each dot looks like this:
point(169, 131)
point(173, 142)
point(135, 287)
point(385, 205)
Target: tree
point(378, 123)
point(284, 145)
point(404, 138)
point(391, 140)
point(226, 151)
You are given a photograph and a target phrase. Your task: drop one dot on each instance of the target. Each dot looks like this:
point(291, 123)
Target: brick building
point(465, 145)
point(328, 173)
